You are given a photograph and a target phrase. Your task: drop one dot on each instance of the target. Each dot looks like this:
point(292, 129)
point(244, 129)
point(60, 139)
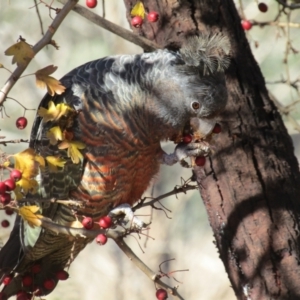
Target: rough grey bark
point(251, 185)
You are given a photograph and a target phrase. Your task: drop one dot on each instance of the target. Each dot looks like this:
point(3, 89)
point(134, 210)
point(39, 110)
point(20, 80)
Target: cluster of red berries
point(104, 223)
point(137, 21)
point(28, 283)
point(91, 3)
point(200, 160)
point(246, 24)
point(6, 187)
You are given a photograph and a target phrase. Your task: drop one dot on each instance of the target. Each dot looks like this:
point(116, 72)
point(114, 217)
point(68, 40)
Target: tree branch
point(118, 30)
point(45, 40)
point(177, 190)
point(117, 236)
point(290, 6)
point(145, 269)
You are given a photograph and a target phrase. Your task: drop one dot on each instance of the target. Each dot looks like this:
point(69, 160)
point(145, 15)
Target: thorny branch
point(16, 141)
point(290, 6)
point(145, 269)
point(177, 190)
point(118, 30)
point(45, 40)
point(117, 236)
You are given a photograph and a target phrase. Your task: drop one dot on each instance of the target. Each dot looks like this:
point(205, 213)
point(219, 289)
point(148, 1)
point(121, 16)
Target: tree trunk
point(251, 185)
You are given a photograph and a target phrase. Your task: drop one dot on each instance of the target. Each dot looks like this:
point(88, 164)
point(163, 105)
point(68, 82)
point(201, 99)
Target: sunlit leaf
point(75, 224)
point(40, 159)
point(6, 164)
point(73, 150)
point(54, 134)
point(25, 162)
point(54, 162)
point(22, 53)
point(27, 185)
point(138, 10)
point(43, 80)
point(28, 162)
point(18, 192)
point(54, 112)
point(28, 213)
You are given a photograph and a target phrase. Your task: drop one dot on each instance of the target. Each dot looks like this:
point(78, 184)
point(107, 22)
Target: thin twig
point(39, 16)
point(276, 23)
point(118, 30)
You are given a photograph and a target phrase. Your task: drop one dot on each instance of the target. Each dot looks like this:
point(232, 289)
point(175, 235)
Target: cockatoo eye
point(195, 105)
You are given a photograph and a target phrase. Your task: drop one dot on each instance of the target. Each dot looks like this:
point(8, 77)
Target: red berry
point(5, 223)
point(7, 279)
point(187, 138)
point(217, 129)
point(161, 294)
point(49, 284)
point(91, 3)
point(9, 212)
point(263, 7)
point(2, 187)
point(88, 223)
point(62, 275)
point(3, 296)
point(27, 280)
point(105, 222)
point(136, 21)
point(200, 161)
point(5, 198)
point(153, 16)
point(22, 296)
point(10, 184)
point(15, 175)
point(21, 123)
point(37, 268)
point(247, 25)
point(101, 239)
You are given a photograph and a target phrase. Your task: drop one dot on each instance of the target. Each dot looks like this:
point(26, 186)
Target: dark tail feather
point(11, 252)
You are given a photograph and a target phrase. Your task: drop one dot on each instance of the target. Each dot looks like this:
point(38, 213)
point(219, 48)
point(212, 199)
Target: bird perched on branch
point(104, 133)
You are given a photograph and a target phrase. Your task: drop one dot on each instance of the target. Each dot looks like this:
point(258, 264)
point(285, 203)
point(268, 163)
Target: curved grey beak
point(202, 127)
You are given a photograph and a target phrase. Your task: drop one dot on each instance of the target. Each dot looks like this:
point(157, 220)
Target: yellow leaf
point(72, 150)
point(40, 159)
point(75, 224)
point(47, 70)
point(44, 80)
point(28, 213)
point(22, 53)
point(54, 162)
point(6, 164)
point(54, 134)
point(26, 185)
point(54, 112)
point(1, 66)
point(138, 10)
point(18, 193)
point(25, 161)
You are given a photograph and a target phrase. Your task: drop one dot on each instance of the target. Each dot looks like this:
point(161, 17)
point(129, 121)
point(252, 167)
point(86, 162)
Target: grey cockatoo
point(124, 107)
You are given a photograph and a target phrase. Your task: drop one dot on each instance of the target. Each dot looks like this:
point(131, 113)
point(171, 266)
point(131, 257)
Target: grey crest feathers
point(210, 53)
